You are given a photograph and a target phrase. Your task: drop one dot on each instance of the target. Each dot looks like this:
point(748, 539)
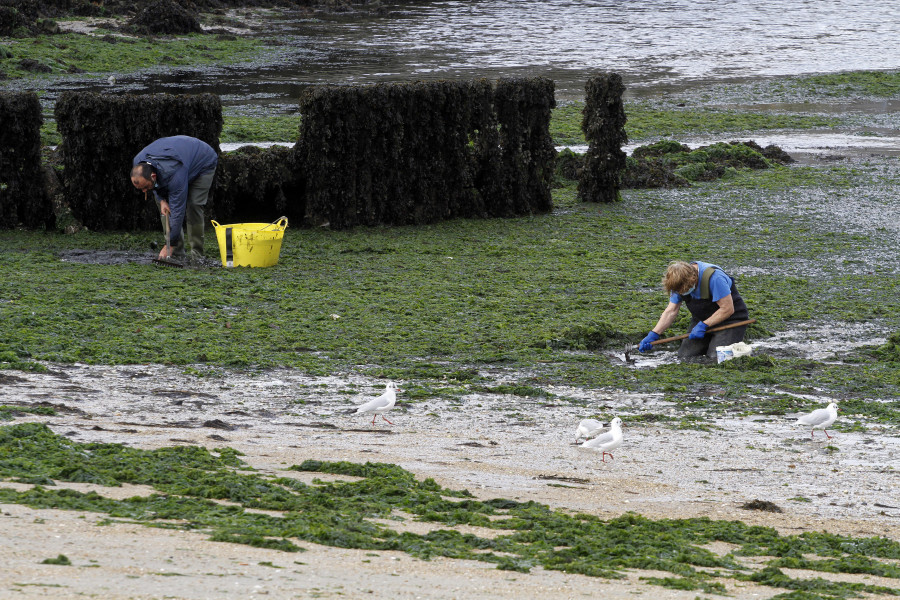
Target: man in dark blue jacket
point(179, 171)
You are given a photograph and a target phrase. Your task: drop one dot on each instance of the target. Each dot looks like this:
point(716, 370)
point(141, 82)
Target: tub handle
point(280, 222)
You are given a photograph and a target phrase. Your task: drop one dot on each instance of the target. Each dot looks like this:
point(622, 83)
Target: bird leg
point(603, 456)
point(373, 419)
point(383, 417)
point(826, 434)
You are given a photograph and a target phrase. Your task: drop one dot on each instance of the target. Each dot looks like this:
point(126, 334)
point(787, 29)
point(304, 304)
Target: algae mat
point(495, 446)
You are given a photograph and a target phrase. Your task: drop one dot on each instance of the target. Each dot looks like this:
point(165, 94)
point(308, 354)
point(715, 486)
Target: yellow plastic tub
point(250, 244)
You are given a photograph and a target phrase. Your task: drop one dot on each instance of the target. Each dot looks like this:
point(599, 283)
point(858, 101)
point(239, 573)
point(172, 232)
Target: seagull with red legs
point(820, 419)
point(381, 404)
point(610, 440)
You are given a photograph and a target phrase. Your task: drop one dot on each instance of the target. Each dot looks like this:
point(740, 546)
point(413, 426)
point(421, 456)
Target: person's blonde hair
point(680, 277)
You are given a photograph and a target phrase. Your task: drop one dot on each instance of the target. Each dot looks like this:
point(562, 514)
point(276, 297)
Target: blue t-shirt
point(719, 284)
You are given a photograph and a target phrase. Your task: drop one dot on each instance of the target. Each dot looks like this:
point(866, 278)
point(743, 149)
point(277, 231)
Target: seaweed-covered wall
point(528, 155)
point(604, 128)
point(102, 134)
point(23, 200)
point(425, 151)
point(257, 185)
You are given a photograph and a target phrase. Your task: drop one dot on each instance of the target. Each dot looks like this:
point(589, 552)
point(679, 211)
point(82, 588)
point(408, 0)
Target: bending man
point(179, 171)
point(712, 298)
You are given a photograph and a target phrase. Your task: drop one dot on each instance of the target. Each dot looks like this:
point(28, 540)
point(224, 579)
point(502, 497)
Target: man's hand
point(164, 208)
point(699, 331)
point(647, 342)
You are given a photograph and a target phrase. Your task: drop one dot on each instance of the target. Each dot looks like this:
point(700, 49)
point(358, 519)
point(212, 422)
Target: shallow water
point(657, 46)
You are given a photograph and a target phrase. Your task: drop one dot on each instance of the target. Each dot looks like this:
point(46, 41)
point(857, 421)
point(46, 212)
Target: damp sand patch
point(106, 257)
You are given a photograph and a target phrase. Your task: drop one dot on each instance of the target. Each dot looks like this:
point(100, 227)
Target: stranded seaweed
point(190, 480)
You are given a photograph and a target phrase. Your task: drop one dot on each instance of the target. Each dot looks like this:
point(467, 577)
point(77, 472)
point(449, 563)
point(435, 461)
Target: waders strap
point(704, 283)
point(229, 251)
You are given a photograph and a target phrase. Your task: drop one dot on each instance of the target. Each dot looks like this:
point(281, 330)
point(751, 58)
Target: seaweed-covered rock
point(13, 21)
point(569, 164)
point(651, 173)
point(23, 200)
point(603, 125)
point(669, 164)
point(660, 148)
point(165, 17)
point(771, 152)
point(33, 66)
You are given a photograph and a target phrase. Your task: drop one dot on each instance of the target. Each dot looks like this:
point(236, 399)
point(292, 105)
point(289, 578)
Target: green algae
point(272, 128)
point(188, 482)
point(430, 304)
point(551, 296)
point(98, 55)
point(647, 121)
point(870, 84)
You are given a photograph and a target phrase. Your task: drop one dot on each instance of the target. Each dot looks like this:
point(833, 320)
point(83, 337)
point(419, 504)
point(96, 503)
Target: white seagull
point(820, 419)
point(381, 404)
point(610, 440)
point(587, 428)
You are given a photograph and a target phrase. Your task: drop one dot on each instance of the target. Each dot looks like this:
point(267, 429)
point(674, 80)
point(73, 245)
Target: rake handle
point(714, 329)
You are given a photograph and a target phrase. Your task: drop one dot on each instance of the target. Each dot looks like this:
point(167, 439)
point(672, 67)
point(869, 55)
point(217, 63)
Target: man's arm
point(726, 309)
point(177, 200)
point(667, 318)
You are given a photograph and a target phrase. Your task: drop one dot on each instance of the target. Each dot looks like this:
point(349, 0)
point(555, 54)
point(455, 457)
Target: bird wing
point(616, 441)
point(589, 427)
point(816, 417)
point(374, 404)
point(599, 440)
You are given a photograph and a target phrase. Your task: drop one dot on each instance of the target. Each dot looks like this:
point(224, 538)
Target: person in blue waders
point(713, 300)
point(179, 170)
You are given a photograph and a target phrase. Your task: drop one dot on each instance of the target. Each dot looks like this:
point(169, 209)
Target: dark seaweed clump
point(604, 129)
point(890, 351)
point(165, 17)
point(23, 201)
point(669, 164)
point(763, 505)
point(590, 336)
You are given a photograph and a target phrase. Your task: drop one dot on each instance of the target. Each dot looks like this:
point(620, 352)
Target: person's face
point(142, 184)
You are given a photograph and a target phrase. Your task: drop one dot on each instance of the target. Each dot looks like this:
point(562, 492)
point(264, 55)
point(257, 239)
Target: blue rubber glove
point(647, 342)
point(698, 332)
